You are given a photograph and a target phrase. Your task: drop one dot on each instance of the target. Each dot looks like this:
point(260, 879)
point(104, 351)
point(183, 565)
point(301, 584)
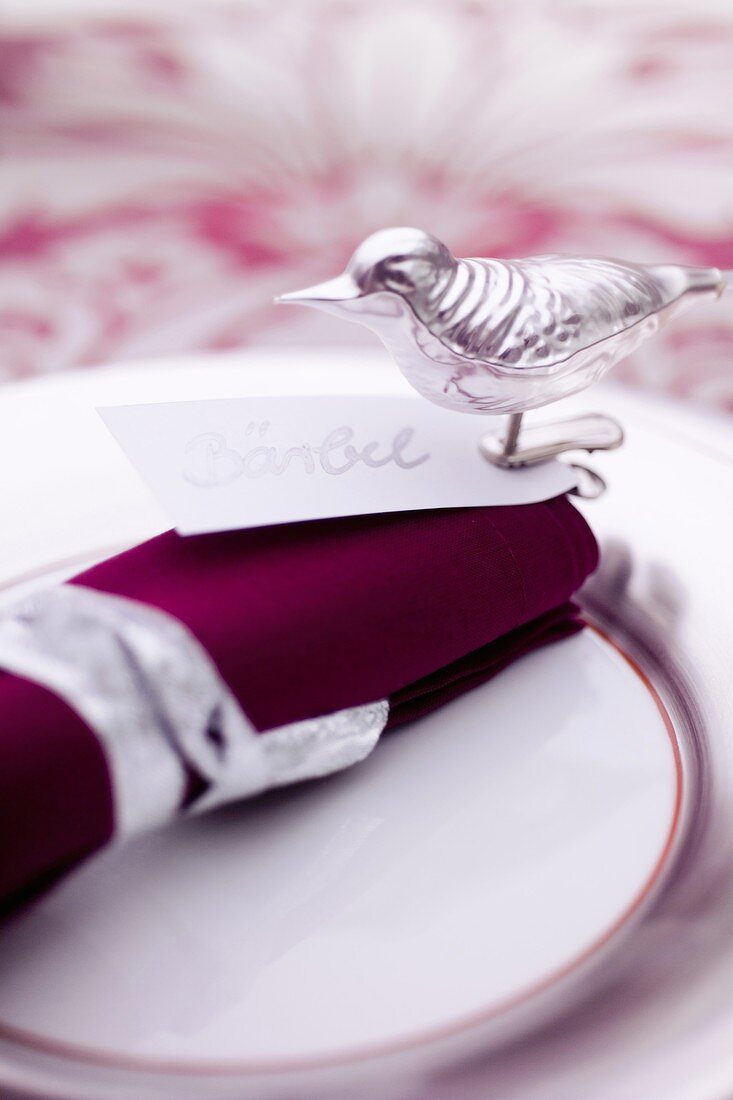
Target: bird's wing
point(542, 310)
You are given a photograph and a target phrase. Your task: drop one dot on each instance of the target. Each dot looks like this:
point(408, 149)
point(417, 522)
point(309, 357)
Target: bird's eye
point(393, 274)
point(399, 277)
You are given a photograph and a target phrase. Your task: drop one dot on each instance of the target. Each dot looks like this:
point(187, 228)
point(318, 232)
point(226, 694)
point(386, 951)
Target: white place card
point(247, 462)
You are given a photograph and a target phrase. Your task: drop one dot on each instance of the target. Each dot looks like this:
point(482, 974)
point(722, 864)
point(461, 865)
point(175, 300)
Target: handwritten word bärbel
point(212, 461)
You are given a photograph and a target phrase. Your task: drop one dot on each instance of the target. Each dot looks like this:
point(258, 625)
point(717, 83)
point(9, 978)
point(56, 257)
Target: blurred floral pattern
point(165, 173)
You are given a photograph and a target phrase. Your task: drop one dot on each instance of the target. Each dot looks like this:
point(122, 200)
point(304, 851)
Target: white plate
point(489, 868)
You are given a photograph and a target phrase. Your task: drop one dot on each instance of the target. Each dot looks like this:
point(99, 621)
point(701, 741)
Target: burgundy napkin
point(301, 621)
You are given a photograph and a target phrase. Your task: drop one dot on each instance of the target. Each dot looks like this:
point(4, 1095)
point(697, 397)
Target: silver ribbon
point(151, 693)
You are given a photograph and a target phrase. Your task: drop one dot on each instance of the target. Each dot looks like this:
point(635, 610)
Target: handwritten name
point(212, 462)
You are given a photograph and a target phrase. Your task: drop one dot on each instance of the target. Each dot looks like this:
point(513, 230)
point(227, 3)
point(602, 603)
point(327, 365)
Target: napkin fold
point(249, 659)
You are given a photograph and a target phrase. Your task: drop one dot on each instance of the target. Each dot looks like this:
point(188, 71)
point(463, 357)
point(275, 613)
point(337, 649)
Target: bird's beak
point(341, 289)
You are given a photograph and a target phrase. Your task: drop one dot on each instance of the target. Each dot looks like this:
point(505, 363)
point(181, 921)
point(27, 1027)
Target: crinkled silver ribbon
point(155, 699)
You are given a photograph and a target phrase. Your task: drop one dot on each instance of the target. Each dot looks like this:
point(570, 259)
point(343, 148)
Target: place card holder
point(506, 336)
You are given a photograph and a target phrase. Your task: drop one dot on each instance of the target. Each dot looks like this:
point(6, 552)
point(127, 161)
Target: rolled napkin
point(187, 672)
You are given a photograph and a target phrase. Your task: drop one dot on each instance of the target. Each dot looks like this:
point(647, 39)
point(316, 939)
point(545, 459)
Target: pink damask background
point(166, 169)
